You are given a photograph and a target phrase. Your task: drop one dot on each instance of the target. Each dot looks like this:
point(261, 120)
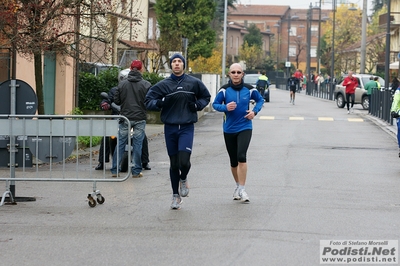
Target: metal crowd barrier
point(45, 148)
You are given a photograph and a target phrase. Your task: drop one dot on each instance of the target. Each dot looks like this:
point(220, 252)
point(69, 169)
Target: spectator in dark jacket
point(107, 145)
point(130, 96)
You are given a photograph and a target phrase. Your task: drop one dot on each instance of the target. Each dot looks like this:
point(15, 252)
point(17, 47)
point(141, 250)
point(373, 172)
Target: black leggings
point(237, 145)
point(348, 96)
point(179, 169)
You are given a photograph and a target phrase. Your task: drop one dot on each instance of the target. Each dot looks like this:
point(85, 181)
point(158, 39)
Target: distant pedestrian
point(378, 85)
point(395, 85)
point(351, 83)
point(292, 83)
point(369, 86)
point(234, 100)
point(304, 82)
point(178, 97)
point(108, 144)
point(262, 83)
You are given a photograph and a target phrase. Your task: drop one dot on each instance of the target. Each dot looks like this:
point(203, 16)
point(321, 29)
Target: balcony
point(394, 20)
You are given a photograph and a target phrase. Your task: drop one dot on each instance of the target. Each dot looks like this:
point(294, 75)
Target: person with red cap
point(178, 97)
point(130, 96)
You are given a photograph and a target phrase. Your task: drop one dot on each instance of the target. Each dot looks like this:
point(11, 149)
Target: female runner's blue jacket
point(235, 121)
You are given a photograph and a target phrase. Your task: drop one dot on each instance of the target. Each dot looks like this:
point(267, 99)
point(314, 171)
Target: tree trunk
point(37, 57)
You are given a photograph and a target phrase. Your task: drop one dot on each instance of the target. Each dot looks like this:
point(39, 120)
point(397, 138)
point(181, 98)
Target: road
point(314, 173)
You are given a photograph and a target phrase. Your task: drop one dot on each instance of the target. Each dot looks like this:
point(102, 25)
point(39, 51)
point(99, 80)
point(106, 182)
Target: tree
point(378, 5)
point(36, 27)
point(189, 19)
point(252, 55)
point(217, 22)
point(300, 47)
point(373, 27)
point(347, 32)
point(209, 65)
point(254, 37)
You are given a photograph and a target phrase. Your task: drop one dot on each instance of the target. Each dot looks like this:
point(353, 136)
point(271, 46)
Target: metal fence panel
point(52, 142)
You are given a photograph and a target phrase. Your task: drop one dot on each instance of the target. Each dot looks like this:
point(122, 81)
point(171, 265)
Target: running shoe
point(236, 194)
point(351, 110)
point(184, 188)
point(243, 196)
point(176, 202)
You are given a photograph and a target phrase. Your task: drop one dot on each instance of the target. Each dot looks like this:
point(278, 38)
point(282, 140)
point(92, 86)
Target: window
point(314, 31)
point(313, 51)
point(150, 29)
point(293, 31)
point(292, 50)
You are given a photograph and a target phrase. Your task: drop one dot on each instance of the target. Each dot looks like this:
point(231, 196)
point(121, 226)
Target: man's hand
point(105, 106)
point(160, 103)
point(192, 107)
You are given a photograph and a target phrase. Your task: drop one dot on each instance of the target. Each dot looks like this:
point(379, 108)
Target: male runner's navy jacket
point(176, 94)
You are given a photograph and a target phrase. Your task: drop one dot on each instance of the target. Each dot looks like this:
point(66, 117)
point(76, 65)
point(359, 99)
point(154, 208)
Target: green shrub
point(153, 78)
point(85, 141)
point(90, 86)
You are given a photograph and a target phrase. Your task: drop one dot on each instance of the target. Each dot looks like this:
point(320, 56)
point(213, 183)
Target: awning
point(394, 65)
point(137, 45)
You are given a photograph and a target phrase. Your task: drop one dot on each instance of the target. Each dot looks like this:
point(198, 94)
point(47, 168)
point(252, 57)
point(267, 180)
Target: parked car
point(360, 94)
point(252, 79)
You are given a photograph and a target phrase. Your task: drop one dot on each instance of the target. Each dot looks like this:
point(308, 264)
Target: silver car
point(252, 79)
point(360, 96)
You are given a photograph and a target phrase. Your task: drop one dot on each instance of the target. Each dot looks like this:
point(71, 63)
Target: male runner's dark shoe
point(146, 166)
point(99, 167)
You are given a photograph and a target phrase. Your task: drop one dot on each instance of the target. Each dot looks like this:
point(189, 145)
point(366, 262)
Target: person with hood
point(178, 97)
point(130, 96)
point(234, 100)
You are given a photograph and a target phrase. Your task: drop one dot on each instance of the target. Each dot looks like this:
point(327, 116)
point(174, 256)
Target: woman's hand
point(231, 106)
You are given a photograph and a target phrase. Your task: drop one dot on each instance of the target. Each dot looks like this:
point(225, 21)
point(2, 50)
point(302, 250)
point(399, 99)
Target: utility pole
point(364, 37)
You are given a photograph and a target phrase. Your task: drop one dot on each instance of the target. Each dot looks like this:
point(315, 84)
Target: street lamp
point(224, 42)
point(278, 45)
point(309, 20)
point(333, 49)
point(363, 37)
point(288, 45)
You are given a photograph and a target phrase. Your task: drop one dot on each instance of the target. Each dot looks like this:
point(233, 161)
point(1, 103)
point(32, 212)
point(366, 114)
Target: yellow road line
point(267, 117)
point(355, 120)
point(325, 119)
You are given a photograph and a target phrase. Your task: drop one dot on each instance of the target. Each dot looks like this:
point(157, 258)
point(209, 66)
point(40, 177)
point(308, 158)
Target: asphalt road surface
point(314, 173)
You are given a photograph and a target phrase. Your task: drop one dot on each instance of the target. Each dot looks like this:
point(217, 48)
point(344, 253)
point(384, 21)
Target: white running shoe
point(236, 194)
point(351, 110)
point(243, 196)
point(176, 202)
point(184, 188)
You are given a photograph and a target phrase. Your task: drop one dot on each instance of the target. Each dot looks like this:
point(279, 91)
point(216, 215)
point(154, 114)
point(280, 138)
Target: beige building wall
point(64, 91)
